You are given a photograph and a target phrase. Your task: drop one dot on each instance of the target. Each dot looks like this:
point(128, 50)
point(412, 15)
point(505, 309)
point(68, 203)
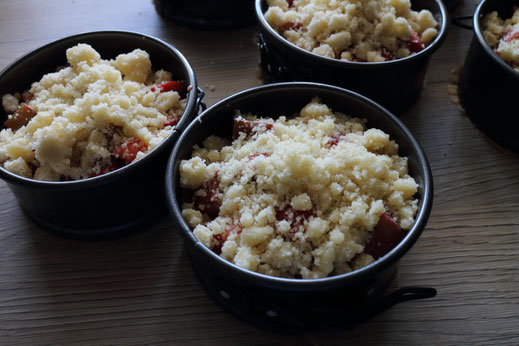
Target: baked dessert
point(90, 117)
point(309, 196)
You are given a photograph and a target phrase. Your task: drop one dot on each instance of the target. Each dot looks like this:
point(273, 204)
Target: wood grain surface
point(141, 290)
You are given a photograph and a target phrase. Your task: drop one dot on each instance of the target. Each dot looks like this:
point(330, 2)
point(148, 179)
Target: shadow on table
point(138, 289)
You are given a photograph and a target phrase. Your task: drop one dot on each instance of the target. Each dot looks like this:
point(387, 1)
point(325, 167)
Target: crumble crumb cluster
point(90, 117)
point(353, 30)
point(305, 197)
point(503, 36)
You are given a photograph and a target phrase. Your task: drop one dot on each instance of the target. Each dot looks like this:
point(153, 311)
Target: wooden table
point(140, 289)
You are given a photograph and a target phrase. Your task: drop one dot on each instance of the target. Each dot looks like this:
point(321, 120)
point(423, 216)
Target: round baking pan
point(118, 201)
point(291, 304)
point(395, 84)
point(207, 14)
point(488, 86)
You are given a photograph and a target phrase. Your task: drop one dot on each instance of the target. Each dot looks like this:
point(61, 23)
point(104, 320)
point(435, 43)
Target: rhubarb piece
point(248, 126)
point(129, 149)
point(20, 118)
point(386, 235)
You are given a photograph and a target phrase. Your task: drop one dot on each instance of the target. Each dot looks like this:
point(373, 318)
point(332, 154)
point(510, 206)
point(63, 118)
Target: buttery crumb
point(296, 197)
point(503, 36)
point(353, 30)
point(90, 117)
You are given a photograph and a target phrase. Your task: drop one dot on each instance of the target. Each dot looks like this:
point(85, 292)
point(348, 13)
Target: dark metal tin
point(208, 14)
point(488, 86)
point(394, 84)
point(289, 304)
point(116, 202)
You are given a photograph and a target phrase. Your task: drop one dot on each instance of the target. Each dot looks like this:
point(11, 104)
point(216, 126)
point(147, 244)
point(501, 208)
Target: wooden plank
point(141, 290)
